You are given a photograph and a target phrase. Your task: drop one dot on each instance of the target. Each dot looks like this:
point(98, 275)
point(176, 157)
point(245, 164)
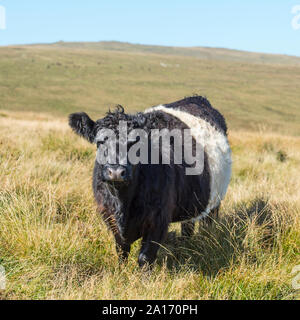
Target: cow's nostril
point(116, 174)
point(110, 172)
point(123, 173)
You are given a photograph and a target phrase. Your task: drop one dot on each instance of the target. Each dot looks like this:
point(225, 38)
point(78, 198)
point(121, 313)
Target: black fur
point(201, 107)
point(156, 195)
point(83, 125)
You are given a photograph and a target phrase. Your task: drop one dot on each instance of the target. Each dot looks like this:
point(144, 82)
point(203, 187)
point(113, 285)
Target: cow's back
point(200, 107)
point(209, 129)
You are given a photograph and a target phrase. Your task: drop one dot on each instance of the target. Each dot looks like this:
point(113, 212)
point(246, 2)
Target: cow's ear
point(83, 125)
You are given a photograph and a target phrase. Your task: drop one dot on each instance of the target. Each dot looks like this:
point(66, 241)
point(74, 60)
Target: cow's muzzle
point(116, 173)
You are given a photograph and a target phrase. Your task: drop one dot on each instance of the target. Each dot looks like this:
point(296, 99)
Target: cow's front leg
point(123, 250)
point(150, 245)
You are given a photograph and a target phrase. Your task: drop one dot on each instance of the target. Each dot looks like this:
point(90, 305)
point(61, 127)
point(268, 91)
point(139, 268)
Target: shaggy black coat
point(156, 195)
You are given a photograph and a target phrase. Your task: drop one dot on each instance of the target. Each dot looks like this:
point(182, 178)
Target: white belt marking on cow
point(218, 151)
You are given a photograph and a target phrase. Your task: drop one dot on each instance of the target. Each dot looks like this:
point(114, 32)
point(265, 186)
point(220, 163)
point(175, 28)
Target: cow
point(141, 200)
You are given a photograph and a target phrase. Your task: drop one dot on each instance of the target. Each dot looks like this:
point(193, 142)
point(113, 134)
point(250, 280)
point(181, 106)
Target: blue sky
point(261, 26)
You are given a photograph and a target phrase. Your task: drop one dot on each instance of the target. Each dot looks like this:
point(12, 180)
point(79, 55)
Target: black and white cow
point(140, 201)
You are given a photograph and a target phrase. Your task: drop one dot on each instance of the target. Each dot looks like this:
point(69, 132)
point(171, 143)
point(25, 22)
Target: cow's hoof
point(144, 262)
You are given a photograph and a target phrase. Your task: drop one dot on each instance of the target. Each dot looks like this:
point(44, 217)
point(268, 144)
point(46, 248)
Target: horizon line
point(148, 45)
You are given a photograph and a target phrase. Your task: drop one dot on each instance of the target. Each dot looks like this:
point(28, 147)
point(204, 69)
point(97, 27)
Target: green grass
point(205, 53)
point(53, 244)
point(60, 79)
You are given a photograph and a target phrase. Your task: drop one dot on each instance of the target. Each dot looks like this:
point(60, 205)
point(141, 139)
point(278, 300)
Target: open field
point(205, 53)
point(53, 244)
point(63, 80)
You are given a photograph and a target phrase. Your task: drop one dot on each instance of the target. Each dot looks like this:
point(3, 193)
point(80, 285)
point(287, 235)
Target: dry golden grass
point(53, 244)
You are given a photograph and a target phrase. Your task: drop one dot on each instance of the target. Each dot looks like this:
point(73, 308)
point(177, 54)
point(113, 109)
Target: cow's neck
point(123, 194)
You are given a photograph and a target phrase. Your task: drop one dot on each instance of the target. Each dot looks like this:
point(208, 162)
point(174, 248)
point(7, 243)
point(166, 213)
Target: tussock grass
point(53, 244)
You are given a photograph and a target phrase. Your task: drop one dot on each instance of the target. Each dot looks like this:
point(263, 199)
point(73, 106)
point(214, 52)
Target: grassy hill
point(54, 245)
point(63, 78)
point(206, 53)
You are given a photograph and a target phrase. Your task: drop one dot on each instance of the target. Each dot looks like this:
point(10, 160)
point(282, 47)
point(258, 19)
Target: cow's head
point(110, 152)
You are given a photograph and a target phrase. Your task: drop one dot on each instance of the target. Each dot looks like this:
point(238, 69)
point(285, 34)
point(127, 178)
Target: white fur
point(218, 151)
